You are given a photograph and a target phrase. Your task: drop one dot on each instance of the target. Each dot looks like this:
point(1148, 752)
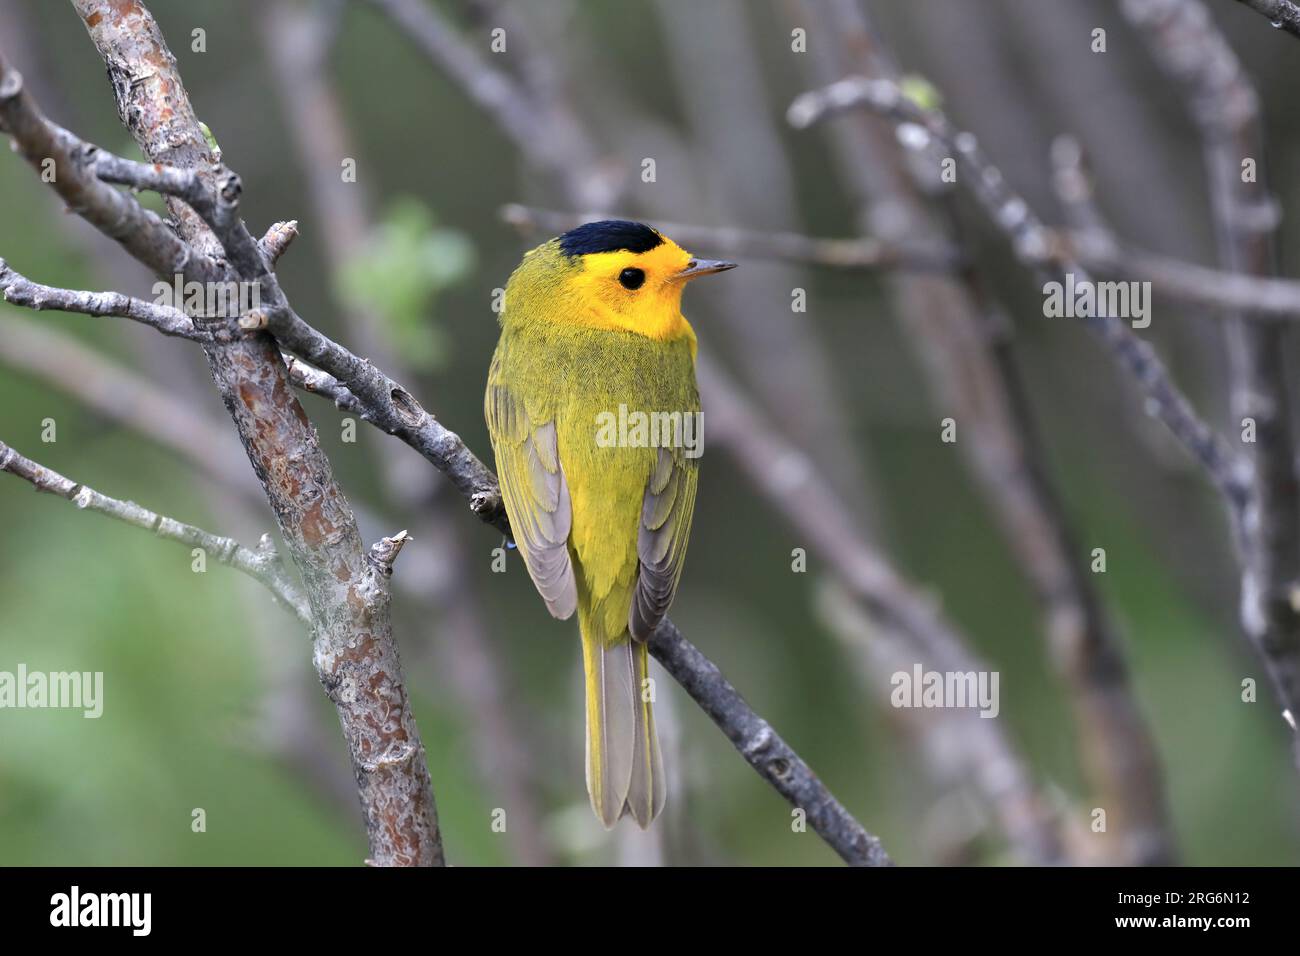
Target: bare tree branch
point(967, 353)
point(277, 240)
point(763, 748)
point(465, 657)
point(1283, 14)
point(793, 486)
point(1031, 241)
point(74, 168)
point(355, 653)
point(1187, 283)
point(263, 565)
point(1225, 107)
point(19, 290)
point(1267, 581)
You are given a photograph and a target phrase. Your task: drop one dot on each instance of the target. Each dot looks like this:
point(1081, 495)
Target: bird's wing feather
point(661, 540)
point(536, 496)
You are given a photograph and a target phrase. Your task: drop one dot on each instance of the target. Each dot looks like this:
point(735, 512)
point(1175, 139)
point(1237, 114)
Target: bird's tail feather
point(624, 767)
point(648, 789)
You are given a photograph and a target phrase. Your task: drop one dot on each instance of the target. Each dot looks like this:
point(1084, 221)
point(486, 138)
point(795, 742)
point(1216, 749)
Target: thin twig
point(1031, 241)
point(1225, 107)
point(1259, 298)
point(792, 484)
point(277, 239)
point(968, 355)
point(115, 213)
point(1282, 14)
point(263, 565)
point(19, 290)
point(763, 748)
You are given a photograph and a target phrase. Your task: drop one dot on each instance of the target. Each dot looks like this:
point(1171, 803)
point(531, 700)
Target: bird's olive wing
point(661, 542)
point(536, 497)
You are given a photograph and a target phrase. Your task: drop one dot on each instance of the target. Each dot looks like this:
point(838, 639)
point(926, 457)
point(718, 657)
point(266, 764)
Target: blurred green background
point(210, 699)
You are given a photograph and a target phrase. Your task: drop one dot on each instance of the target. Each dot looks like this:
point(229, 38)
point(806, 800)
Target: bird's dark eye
point(631, 278)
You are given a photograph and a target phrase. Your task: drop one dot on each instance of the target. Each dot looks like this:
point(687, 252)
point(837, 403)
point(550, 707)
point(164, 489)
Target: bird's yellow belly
point(606, 488)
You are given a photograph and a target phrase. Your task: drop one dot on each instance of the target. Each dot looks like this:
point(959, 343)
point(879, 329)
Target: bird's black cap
point(609, 235)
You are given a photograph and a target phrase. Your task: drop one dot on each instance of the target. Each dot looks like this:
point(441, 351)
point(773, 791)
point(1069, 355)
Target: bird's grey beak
point(702, 267)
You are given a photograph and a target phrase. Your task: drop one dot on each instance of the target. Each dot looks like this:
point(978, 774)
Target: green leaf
point(211, 141)
point(921, 91)
point(407, 263)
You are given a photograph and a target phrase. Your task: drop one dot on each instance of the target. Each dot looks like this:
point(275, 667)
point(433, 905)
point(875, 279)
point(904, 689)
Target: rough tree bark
point(354, 650)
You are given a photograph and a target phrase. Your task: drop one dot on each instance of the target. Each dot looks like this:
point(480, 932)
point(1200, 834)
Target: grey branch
point(76, 178)
point(1031, 241)
point(790, 482)
point(1283, 14)
point(356, 385)
point(19, 290)
point(354, 650)
point(1225, 107)
point(262, 565)
point(388, 405)
point(763, 748)
point(1183, 282)
point(278, 238)
point(855, 254)
point(297, 41)
point(384, 552)
point(969, 358)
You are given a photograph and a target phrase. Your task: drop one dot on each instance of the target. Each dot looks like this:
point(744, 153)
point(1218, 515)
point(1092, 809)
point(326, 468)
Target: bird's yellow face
point(625, 276)
point(636, 291)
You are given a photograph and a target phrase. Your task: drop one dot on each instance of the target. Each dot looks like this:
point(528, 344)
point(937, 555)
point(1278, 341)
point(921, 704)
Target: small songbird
point(592, 339)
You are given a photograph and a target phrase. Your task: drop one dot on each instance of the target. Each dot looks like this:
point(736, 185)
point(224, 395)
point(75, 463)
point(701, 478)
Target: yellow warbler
point(594, 416)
